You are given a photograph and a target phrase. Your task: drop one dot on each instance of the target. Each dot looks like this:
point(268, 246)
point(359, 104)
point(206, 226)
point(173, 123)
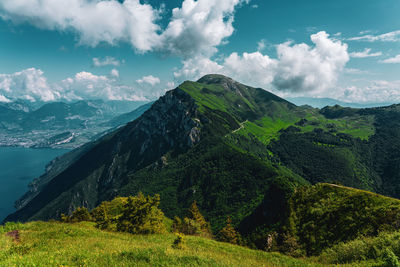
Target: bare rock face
point(170, 125)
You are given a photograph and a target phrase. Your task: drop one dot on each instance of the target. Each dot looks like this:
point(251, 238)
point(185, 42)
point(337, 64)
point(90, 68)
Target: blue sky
point(136, 50)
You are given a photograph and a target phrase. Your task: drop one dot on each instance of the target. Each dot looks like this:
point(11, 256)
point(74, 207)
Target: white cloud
point(365, 53)
point(94, 21)
point(107, 61)
point(377, 92)
point(305, 68)
point(32, 85)
point(151, 80)
point(196, 67)
point(29, 84)
point(297, 68)
point(392, 60)
point(114, 73)
point(254, 6)
point(198, 27)
point(253, 68)
point(261, 45)
point(86, 85)
point(393, 36)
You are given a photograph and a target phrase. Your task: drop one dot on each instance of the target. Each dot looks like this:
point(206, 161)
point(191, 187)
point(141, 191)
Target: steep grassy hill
point(80, 244)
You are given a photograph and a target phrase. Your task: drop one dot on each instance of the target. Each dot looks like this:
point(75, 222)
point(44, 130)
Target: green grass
point(80, 244)
point(267, 128)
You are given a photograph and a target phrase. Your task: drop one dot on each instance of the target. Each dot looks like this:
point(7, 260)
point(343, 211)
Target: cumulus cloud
point(377, 91)
point(94, 21)
point(297, 68)
point(29, 84)
point(196, 67)
point(392, 60)
point(393, 36)
point(151, 80)
point(254, 68)
point(32, 85)
point(86, 85)
point(305, 68)
point(107, 61)
point(365, 53)
point(199, 26)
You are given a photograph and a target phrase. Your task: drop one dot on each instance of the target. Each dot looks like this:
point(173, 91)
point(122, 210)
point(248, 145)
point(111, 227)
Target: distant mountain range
point(60, 124)
point(323, 102)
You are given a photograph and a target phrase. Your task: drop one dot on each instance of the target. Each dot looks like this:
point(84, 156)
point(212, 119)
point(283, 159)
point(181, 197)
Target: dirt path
point(241, 126)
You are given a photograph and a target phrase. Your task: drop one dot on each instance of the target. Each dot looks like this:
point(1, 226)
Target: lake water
point(19, 166)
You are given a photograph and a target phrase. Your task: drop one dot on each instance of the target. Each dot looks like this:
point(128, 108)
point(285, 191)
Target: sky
point(136, 50)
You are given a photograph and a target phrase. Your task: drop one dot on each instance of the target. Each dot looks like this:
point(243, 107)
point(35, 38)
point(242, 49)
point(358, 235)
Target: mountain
point(127, 117)
point(323, 102)
point(238, 151)
point(182, 142)
point(59, 124)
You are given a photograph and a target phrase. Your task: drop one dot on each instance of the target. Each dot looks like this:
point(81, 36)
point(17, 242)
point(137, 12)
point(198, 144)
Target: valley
point(60, 124)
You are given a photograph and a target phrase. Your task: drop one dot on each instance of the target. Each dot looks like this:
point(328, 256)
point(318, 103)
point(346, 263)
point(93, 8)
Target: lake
point(19, 166)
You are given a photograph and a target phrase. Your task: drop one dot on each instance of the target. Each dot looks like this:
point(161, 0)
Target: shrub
point(106, 214)
point(79, 215)
point(141, 215)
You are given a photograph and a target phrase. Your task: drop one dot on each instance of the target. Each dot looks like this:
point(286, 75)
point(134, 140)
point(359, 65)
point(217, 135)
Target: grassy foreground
point(81, 244)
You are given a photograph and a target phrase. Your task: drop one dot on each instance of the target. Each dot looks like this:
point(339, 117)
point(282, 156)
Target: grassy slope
point(273, 115)
point(58, 244)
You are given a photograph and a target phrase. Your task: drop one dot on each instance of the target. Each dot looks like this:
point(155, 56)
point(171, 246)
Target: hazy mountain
point(58, 124)
point(323, 102)
point(127, 117)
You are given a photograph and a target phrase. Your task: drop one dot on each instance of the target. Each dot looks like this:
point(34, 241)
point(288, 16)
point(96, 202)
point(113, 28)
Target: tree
point(141, 215)
point(177, 225)
point(194, 223)
point(229, 234)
